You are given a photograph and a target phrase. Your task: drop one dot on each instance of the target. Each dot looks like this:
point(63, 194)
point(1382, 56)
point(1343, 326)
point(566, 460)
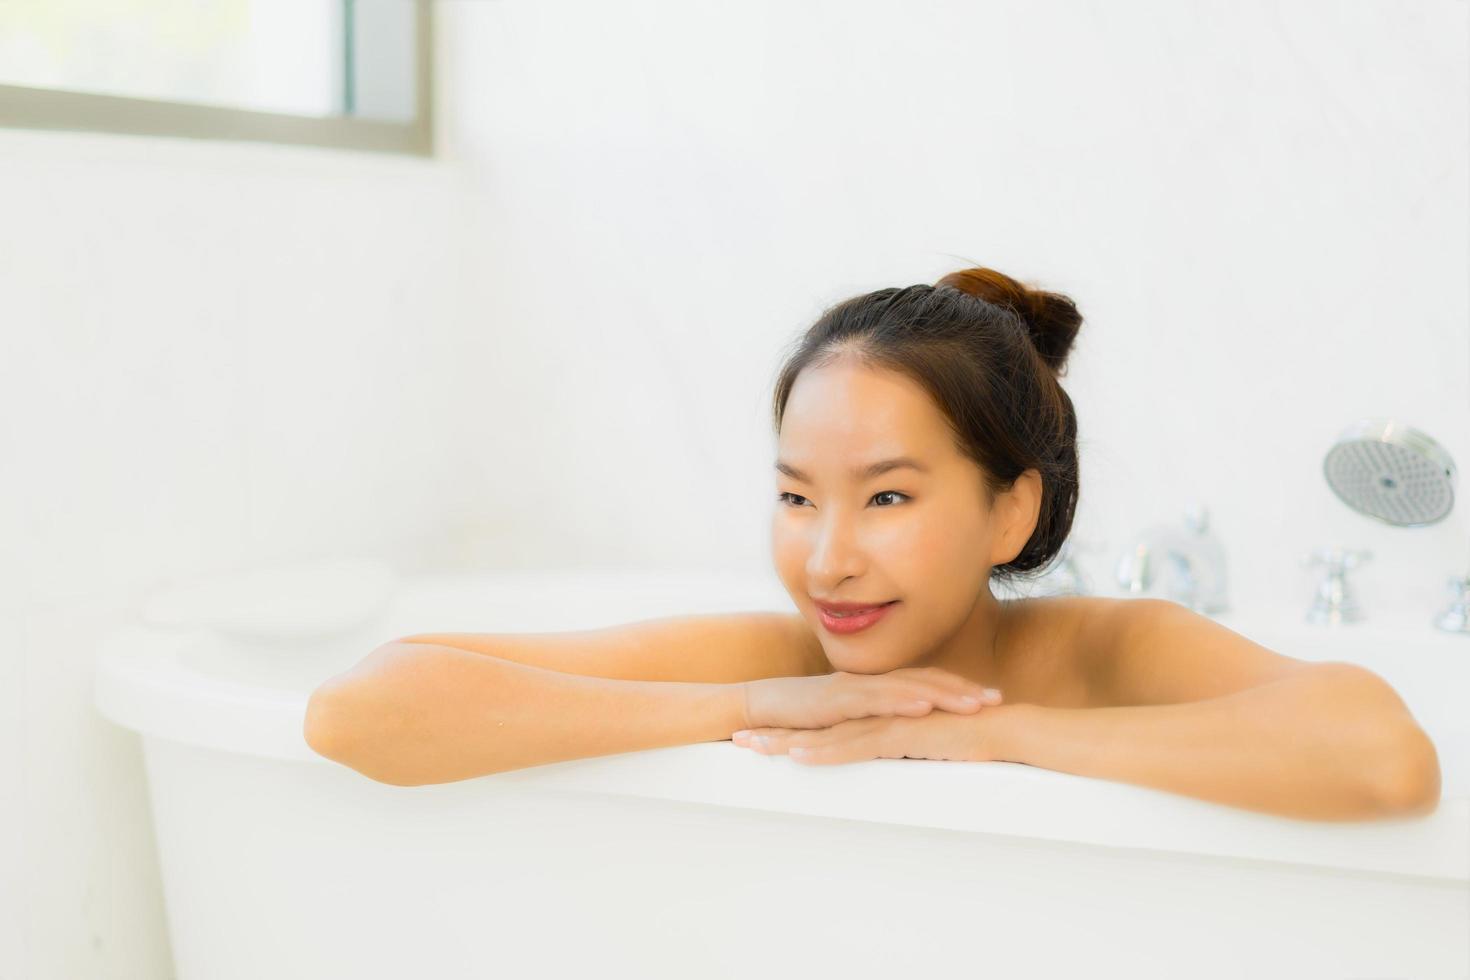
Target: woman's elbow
point(327, 726)
point(356, 726)
point(1411, 787)
point(336, 728)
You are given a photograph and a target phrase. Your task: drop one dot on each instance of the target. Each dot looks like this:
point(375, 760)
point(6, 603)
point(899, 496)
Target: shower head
point(1392, 472)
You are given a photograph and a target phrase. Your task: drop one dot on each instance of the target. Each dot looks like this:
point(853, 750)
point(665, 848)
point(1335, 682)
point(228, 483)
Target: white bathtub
point(710, 861)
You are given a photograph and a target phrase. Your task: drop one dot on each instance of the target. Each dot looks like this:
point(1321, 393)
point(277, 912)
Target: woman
point(925, 447)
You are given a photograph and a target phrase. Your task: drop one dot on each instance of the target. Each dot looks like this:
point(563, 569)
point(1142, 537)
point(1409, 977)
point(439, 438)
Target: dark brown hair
point(989, 351)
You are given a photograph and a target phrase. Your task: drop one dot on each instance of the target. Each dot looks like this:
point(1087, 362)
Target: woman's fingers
point(949, 692)
point(911, 692)
point(967, 699)
point(777, 741)
point(949, 688)
point(855, 740)
point(762, 739)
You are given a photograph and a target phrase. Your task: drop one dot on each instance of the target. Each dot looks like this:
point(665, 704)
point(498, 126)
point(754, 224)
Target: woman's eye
point(782, 497)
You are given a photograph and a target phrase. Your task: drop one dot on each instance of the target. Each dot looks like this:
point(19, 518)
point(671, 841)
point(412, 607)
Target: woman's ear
point(1016, 513)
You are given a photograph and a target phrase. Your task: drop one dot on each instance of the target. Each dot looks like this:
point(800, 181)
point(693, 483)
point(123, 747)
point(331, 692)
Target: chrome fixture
point(1190, 558)
point(1400, 476)
point(1456, 619)
point(1334, 603)
point(1391, 472)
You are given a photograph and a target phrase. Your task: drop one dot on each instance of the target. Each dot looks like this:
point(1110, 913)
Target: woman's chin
point(859, 665)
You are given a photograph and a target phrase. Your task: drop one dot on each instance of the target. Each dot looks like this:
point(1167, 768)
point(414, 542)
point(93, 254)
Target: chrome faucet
point(1190, 558)
point(1335, 602)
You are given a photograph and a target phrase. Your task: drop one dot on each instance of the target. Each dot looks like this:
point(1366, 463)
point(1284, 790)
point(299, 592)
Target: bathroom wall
point(555, 343)
point(1260, 207)
point(213, 355)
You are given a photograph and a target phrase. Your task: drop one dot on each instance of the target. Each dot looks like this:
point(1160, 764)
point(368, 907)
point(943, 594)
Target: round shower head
point(1387, 470)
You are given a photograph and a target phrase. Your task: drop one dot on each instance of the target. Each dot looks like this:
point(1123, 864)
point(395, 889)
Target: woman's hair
point(989, 351)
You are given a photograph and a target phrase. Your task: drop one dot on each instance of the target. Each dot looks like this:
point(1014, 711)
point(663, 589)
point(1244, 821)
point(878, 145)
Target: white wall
point(1261, 209)
point(555, 345)
point(213, 355)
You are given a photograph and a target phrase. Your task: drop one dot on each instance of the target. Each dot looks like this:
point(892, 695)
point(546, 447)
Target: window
point(342, 73)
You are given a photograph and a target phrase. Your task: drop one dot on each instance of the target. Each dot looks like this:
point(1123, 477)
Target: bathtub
point(711, 861)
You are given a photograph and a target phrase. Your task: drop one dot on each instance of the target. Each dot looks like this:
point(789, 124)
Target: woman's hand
point(824, 700)
point(972, 737)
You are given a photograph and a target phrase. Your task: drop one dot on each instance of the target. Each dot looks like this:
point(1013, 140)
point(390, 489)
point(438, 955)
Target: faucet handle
point(1334, 602)
point(1456, 619)
point(1337, 558)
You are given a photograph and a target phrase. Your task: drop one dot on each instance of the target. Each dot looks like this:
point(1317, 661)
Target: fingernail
point(744, 733)
point(969, 699)
point(797, 751)
point(991, 692)
point(764, 741)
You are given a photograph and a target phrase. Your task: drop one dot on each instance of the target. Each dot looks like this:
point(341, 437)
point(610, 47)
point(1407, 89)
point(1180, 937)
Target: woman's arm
point(415, 713)
point(1329, 742)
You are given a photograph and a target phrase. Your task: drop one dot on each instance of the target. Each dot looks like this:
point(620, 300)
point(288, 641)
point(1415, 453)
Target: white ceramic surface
point(708, 860)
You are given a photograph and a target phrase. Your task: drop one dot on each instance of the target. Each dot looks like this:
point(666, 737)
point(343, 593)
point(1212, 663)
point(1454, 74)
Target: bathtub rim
point(140, 684)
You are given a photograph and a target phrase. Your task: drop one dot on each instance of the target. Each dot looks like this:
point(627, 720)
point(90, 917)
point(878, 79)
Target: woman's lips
point(853, 622)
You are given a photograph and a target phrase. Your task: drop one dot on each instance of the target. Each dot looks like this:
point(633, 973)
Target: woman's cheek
point(789, 556)
point(921, 546)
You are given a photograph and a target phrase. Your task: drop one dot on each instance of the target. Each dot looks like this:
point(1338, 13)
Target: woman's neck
point(976, 651)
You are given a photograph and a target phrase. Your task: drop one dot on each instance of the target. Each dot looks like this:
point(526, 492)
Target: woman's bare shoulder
point(1064, 617)
point(1049, 647)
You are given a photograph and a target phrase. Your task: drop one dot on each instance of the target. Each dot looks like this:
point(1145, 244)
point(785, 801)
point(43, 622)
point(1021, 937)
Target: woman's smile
point(852, 622)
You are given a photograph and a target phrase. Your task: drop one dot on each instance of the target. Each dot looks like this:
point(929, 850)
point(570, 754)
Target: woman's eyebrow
point(859, 472)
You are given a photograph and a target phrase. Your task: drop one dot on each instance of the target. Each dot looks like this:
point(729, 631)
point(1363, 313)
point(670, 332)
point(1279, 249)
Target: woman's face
point(924, 536)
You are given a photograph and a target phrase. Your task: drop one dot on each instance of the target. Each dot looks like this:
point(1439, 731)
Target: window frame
point(24, 107)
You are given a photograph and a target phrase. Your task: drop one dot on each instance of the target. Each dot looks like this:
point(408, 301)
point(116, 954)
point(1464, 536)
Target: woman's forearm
point(416, 713)
point(1329, 743)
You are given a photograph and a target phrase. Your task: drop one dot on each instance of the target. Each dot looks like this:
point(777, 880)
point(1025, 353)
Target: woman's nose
point(835, 553)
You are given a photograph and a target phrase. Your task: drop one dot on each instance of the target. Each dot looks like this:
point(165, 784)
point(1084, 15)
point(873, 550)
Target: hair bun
point(1051, 318)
